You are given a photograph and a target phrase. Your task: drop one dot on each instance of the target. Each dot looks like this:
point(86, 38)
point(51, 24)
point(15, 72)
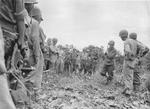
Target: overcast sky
point(86, 22)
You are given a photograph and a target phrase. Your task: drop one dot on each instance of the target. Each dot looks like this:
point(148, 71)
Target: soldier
point(54, 52)
point(109, 61)
point(141, 52)
point(130, 51)
point(59, 62)
point(37, 15)
point(11, 29)
point(35, 57)
point(47, 54)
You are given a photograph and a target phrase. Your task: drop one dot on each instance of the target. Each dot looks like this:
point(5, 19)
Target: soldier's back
point(132, 44)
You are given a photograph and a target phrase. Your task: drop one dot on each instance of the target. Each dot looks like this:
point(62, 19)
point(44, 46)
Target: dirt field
point(80, 92)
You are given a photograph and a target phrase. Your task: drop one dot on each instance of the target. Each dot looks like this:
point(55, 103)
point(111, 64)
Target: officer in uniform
point(11, 30)
point(109, 62)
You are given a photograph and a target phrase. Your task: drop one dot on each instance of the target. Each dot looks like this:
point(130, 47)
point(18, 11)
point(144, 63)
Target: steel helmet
point(36, 12)
point(133, 36)
point(111, 42)
point(123, 33)
point(31, 1)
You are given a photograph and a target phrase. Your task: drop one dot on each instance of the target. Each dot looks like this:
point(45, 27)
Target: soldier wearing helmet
point(36, 57)
point(29, 4)
point(130, 51)
point(141, 52)
point(108, 68)
point(36, 14)
point(11, 30)
point(123, 34)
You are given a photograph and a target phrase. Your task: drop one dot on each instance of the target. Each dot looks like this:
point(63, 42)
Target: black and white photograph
point(74, 54)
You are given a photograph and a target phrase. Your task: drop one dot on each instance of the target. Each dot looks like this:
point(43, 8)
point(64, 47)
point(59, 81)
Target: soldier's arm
point(142, 50)
point(42, 39)
point(20, 13)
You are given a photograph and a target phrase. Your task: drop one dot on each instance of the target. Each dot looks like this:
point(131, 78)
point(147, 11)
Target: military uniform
point(42, 39)
point(142, 50)
point(59, 63)
point(130, 50)
point(36, 56)
point(11, 12)
point(53, 57)
point(109, 63)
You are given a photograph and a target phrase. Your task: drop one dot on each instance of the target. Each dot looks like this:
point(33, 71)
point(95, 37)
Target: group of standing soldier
point(134, 51)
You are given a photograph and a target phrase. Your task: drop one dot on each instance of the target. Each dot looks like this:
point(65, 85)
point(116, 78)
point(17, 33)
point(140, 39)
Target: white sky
point(85, 22)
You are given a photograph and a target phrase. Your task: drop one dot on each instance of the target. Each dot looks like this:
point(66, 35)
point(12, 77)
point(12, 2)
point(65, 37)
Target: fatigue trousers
point(59, 66)
point(36, 75)
point(128, 75)
point(108, 69)
point(131, 76)
point(5, 97)
point(136, 78)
